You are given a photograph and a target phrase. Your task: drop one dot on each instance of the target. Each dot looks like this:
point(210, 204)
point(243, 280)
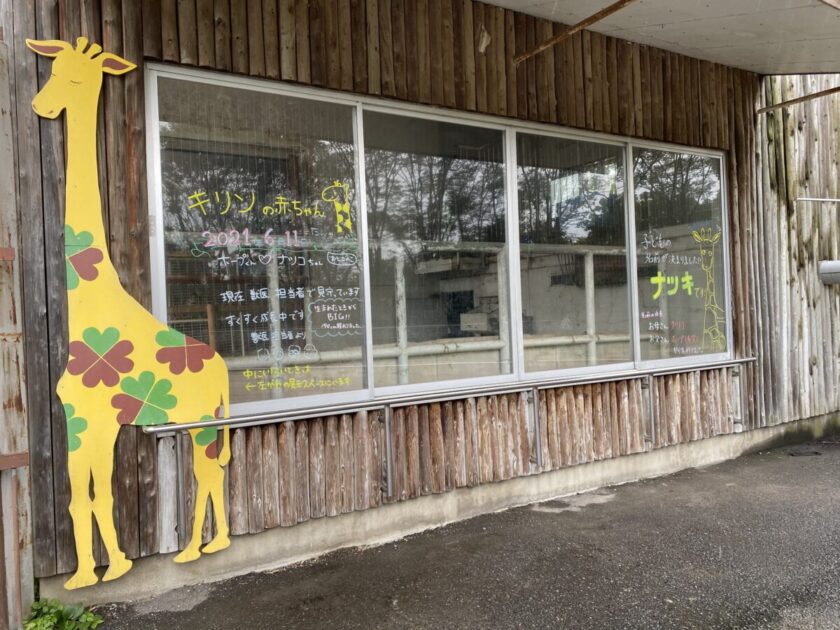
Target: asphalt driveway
point(754, 542)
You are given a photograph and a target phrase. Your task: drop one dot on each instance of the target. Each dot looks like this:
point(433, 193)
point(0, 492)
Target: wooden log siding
point(424, 52)
point(800, 331)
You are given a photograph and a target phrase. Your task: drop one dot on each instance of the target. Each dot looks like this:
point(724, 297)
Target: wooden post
point(504, 314)
point(211, 326)
point(273, 273)
point(402, 319)
point(589, 288)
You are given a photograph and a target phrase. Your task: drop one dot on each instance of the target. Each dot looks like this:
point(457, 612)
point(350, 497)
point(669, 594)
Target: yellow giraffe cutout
point(713, 315)
point(339, 195)
point(124, 366)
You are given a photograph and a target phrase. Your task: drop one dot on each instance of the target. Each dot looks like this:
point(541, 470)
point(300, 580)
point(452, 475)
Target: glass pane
point(573, 255)
point(680, 249)
point(262, 256)
point(436, 222)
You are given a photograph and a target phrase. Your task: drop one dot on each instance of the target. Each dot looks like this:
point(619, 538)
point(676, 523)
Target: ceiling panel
point(765, 36)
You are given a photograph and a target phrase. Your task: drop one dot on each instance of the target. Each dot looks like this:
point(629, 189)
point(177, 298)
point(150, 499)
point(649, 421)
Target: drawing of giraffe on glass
point(713, 315)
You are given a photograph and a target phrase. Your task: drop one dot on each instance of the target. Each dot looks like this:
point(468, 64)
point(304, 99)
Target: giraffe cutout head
point(76, 77)
point(708, 239)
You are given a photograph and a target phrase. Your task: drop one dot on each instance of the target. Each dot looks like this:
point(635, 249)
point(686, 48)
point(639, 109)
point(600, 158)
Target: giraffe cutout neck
point(90, 268)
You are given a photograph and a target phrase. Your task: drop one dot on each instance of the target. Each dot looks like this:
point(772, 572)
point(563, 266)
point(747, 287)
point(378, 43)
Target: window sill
point(441, 395)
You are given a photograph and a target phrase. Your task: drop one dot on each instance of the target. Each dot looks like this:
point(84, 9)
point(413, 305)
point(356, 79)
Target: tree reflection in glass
point(436, 224)
point(679, 223)
point(249, 232)
point(573, 259)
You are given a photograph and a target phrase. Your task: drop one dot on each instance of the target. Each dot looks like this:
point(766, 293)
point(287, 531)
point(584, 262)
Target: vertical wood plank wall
point(16, 583)
point(420, 51)
point(800, 332)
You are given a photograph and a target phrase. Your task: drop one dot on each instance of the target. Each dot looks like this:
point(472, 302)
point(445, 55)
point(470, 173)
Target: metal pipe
point(571, 30)
point(440, 395)
point(819, 199)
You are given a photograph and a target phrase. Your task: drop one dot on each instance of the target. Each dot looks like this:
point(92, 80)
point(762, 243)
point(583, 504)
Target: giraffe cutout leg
point(210, 476)
point(191, 551)
point(81, 511)
point(103, 509)
point(222, 538)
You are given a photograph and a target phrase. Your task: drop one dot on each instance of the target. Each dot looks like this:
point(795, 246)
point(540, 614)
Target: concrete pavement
point(753, 542)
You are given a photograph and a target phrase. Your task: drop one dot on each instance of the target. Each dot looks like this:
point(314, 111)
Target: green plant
point(51, 614)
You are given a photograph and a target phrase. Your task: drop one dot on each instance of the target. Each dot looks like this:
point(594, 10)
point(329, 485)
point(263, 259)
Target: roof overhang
point(764, 36)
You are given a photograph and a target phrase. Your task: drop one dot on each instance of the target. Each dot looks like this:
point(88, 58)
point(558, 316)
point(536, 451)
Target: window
point(573, 253)
point(680, 262)
point(260, 234)
point(436, 234)
point(335, 249)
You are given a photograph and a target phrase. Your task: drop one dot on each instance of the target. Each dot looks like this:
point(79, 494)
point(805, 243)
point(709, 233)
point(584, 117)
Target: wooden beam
point(562, 36)
point(801, 99)
point(14, 460)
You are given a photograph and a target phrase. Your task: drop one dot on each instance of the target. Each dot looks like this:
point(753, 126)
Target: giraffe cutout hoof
point(188, 555)
point(81, 579)
point(217, 544)
point(118, 568)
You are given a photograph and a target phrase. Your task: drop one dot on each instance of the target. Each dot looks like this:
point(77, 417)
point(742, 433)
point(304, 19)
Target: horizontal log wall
point(423, 51)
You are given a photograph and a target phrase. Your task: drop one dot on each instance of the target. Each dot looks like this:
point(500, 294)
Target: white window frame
point(509, 128)
point(437, 116)
point(588, 370)
point(699, 359)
